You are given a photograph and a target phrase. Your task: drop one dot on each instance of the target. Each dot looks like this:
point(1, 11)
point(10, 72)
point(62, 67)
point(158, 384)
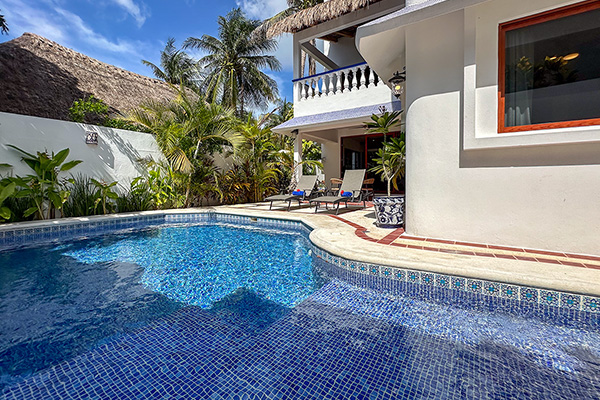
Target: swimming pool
point(176, 309)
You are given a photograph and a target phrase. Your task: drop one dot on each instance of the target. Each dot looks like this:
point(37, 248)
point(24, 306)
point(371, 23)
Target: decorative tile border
point(59, 230)
point(525, 296)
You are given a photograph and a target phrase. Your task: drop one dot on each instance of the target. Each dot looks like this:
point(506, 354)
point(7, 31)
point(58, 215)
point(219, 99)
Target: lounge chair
point(352, 183)
point(304, 189)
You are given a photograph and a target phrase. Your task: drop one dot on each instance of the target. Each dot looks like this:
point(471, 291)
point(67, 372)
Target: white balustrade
point(355, 78)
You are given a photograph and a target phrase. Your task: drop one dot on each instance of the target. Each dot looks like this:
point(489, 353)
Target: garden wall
point(114, 158)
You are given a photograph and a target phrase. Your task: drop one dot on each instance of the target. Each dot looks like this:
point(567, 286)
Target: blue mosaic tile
point(549, 298)
point(373, 269)
point(387, 272)
point(459, 283)
point(529, 295)
point(509, 291)
point(427, 279)
point(474, 285)
point(413, 276)
point(492, 289)
point(570, 301)
point(591, 304)
point(442, 281)
point(398, 274)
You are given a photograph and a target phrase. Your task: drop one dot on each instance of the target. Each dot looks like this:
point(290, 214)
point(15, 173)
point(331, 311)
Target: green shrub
point(137, 198)
point(88, 108)
point(81, 201)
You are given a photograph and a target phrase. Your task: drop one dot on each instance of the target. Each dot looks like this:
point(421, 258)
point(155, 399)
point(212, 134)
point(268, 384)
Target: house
point(502, 115)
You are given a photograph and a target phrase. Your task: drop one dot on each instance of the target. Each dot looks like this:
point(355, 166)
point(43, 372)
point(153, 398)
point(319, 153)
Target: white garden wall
point(115, 157)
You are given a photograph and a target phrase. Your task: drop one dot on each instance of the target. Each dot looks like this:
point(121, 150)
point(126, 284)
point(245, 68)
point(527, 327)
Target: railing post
point(371, 77)
point(323, 86)
point(339, 88)
point(363, 79)
point(305, 89)
point(331, 85)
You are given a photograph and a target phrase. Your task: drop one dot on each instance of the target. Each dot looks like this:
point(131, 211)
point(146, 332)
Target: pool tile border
point(21, 236)
point(525, 295)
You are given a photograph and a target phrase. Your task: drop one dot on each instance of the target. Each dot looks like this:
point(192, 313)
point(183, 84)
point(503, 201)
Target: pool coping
point(339, 244)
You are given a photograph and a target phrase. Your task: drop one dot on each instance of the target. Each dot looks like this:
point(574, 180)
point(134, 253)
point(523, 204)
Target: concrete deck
point(354, 235)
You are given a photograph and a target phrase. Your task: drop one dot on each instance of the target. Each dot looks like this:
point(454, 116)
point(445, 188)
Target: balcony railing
point(347, 79)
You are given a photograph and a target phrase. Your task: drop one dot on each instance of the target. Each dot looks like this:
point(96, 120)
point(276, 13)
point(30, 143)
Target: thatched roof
point(316, 15)
point(42, 78)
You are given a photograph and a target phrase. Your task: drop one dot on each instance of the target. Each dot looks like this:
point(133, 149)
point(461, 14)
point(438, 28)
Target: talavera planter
point(389, 211)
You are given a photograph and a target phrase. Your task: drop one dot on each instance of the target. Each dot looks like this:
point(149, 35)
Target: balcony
point(339, 89)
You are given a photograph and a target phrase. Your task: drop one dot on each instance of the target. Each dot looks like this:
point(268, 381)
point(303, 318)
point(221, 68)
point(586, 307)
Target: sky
point(124, 32)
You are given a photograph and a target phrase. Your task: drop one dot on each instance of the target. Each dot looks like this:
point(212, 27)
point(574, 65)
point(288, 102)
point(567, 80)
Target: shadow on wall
point(532, 156)
point(125, 147)
point(31, 85)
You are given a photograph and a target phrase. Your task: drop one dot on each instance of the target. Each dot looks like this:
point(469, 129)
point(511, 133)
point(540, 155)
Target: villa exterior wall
point(113, 158)
point(465, 181)
point(343, 52)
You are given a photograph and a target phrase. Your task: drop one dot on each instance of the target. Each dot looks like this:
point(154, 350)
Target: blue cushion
point(346, 194)
point(298, 192)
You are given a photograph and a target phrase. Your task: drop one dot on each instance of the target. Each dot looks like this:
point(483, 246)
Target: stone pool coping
point(339, 239)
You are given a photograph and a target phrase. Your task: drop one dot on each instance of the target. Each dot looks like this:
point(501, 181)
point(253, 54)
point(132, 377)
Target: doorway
point(358, 152)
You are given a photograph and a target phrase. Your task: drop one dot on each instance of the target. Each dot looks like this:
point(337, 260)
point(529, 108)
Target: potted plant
point(390, 164)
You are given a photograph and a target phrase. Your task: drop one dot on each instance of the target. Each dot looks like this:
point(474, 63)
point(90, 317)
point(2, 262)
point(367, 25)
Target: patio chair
point(304, 189)
point(352, 183)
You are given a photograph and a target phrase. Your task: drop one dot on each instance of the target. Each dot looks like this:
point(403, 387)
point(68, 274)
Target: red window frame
point(557, 13)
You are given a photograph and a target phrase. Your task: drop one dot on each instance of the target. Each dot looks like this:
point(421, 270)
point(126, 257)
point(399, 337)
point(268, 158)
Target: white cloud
point(67, 29)
point(262, 9)
point(138, 11)
point(85, 33)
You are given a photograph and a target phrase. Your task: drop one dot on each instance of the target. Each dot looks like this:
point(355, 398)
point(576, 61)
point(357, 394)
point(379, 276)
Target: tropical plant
point(3, 25)
point(7, 188)
point(83, 195)
point(162, 183)
point(390, 161)
point(176, 66)
point(187, 129)
point(88, 108)
point(233, 186)
point(43, 187)
point(384, 122)
point(104, 194)
point(234, 63)
point(283, 112)
point(137, 198)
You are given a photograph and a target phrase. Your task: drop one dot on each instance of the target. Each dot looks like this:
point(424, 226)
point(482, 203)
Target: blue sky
point(123, 32)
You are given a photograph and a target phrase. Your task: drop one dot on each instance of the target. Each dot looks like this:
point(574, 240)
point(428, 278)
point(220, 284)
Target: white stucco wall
point(114, 158)
point(343, 52)
point(464, 180)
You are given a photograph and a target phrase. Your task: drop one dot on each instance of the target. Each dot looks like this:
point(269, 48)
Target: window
point(549, 72)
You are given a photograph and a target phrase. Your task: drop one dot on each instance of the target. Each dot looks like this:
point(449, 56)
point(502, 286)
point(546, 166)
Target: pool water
point(58, 301)
point(225, 312)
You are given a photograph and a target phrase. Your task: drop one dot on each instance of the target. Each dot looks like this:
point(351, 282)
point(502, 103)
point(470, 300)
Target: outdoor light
point(397, 81)
point(571, 56)
point(91, 137)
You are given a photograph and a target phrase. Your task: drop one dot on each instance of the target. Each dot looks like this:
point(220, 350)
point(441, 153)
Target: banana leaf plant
point(7, 188)
point(104, 194)
point(43, 187)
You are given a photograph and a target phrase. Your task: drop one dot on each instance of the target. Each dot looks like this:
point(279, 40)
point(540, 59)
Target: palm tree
point(235, 61)
point(176, 66)
point(295, 6)
point(3, 26)
point(187, 130)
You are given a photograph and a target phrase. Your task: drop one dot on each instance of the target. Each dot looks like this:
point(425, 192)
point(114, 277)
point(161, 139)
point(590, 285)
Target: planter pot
point(389, 211)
